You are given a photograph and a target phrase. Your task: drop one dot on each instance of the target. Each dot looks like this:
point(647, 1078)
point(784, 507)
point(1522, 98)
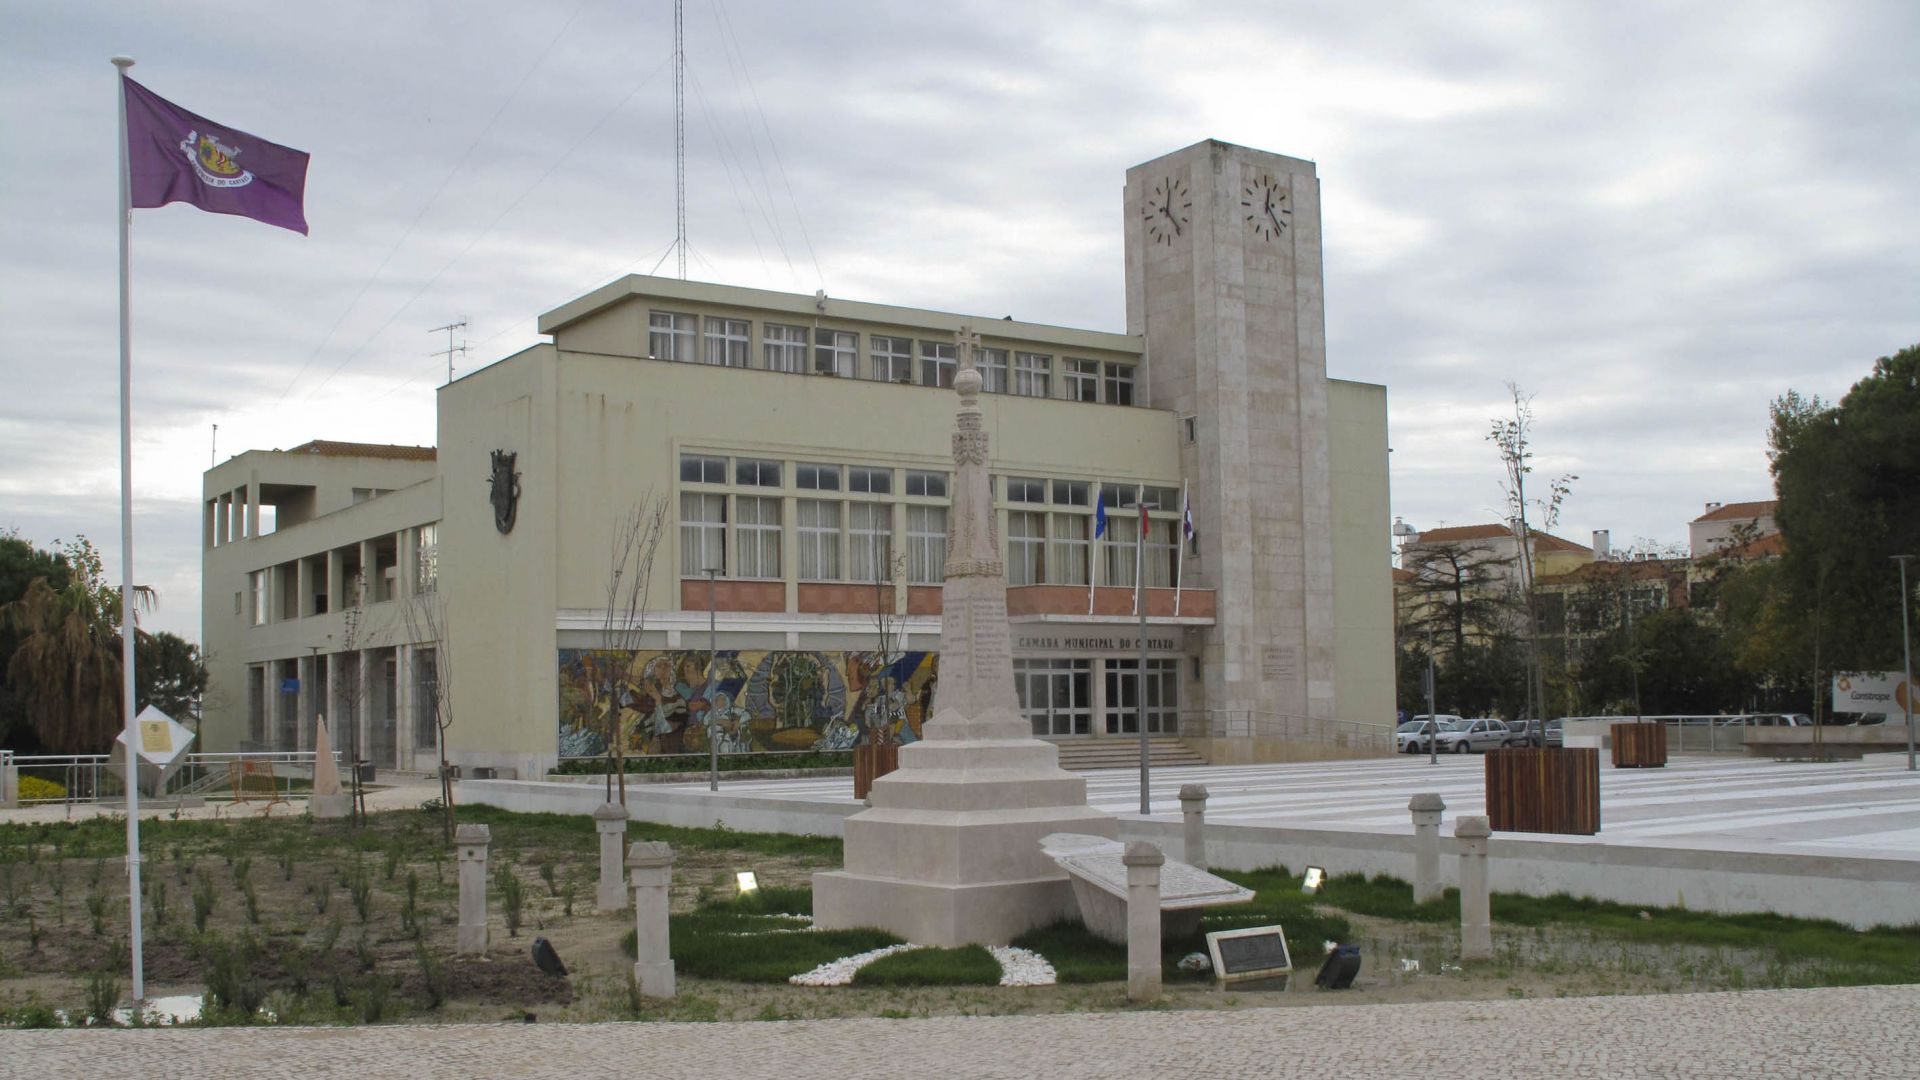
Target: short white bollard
point(1476, 910)
point(1193, 815)
point(610, 820)
point(470, 857)
point(651, 864)
point(1427, 809)
point(1143, 862)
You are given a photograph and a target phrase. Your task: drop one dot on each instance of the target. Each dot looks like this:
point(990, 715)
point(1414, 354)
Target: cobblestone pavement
point(1866, 1032)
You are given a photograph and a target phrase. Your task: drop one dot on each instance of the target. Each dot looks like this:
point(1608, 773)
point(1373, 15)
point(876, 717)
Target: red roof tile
point(332, 448)
point(1740, 511)
point(1542, 541)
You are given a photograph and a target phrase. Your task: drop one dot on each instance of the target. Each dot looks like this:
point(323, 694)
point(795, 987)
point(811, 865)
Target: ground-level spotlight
point(746, 882)
point(1314, 878)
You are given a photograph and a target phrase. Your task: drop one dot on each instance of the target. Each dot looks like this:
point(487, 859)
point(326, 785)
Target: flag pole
point(127, 694)
point(1140, 609)
point(1139, 544)
point(1180, 560)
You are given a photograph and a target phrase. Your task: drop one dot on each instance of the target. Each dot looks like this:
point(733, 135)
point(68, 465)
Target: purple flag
point(175, 156)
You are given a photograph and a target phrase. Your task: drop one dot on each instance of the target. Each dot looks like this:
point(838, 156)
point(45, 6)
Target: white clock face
point(1168, 213)
point(1268, 211)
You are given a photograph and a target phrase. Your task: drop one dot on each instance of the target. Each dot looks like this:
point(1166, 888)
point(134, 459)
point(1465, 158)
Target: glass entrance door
point(1055, 695)
point(1123, 697)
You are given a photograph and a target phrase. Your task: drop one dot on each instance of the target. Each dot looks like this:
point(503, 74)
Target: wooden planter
point(1548, 790)
point(870, 763)
point(1639, 746)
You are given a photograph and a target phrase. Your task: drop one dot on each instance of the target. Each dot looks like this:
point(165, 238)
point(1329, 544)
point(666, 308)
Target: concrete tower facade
point(1224, 281)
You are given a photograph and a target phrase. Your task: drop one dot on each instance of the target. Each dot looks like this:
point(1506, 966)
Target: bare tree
point(889, 618)
point(1513, 437)
point(426, 618)
point(635, 542)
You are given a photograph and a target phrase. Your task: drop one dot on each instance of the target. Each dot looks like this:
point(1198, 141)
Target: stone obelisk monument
point(949, 853)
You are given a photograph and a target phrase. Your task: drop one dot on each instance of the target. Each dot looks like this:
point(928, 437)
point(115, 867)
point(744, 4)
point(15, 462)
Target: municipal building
point(781, 463)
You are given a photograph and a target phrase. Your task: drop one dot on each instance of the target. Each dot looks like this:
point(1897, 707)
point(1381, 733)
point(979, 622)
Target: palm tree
point(67, 667)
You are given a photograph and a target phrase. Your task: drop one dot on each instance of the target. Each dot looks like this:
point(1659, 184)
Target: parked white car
point(1412, 737)
point(1474, 735)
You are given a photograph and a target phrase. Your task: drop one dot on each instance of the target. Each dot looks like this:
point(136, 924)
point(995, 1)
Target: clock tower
point(1224, 281)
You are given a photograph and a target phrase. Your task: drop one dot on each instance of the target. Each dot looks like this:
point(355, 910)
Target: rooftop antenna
point(213, 452)
point(680, 136)
point(451, 348)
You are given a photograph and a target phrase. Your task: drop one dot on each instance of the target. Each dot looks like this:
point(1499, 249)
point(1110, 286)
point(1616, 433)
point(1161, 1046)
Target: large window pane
point(1026, 548)
point(926, 544)
point(818, 525)
point(703, 533)
point(670, 336)
point(727, 342)
point(938, 361)
point(892, 358)
point(870, 541)
point(758, 541)
point(1032, 374)
point(1068, 549)
point(785, 347)
point(993, 370)
point(836, 352)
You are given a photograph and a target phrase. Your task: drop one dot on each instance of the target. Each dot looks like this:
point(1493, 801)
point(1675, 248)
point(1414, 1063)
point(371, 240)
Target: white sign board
point(1872, 692)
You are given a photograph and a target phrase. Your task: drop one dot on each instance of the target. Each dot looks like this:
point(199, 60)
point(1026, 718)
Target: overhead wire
point(746, 76)
point(407, 233)
point(558, 161)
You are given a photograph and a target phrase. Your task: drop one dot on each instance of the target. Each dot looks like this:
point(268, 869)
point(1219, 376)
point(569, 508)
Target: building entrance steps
point(1122, 753)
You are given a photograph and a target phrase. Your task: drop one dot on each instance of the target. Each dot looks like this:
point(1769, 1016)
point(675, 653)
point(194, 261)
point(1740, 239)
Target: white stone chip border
point(1022, 967)
point(1018, 967)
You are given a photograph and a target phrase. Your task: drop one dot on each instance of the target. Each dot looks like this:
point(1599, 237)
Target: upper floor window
point(785, 347)
point(1025, 489)
point(1119, 383)
point(1070, 492)
point(938, 361)
point(869, 481)
point(932, 485)
point(670, 336)
point(993, 370)
point(892, 358)
point(817, 477)
point(1032, 374)
point(700, 469)
point(426, 576)
point(1080, 379)
point(753, 473)
point(835, 352)
point(727, 342)
point(926, 544)
point(257, 588)
point(703, 533)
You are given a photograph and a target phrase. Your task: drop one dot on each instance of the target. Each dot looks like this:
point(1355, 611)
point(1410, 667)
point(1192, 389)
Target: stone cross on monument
point(949, 853)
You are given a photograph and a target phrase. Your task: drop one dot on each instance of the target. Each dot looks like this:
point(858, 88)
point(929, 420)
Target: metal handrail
point(90, 778)
point(1246, 723)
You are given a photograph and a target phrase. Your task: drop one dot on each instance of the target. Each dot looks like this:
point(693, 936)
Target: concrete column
point(253, 504)
point(470, 854)
point(610, 821)
point(336, 581)
point(219, 537)
point(1143, 862)
point(1193, 814)
point(1476, 912)
point(1097, 684)
point(1427, 809)
point(651, 864)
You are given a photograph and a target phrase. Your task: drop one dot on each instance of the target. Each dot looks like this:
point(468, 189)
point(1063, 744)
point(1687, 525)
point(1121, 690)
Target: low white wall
point(1860, 892)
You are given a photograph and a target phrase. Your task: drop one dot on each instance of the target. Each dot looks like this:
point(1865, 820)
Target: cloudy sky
point(1653, 217)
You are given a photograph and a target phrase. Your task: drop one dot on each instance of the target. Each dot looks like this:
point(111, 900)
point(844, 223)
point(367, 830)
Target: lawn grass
point(578, 829)
point(969, 965)
point(701, 950)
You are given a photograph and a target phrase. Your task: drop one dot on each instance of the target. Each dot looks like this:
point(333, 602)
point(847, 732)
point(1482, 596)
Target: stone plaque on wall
point(1279, 663)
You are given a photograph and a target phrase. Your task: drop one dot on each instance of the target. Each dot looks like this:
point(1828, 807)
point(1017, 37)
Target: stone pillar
point(470, 853)
point(1476, 916)
point(1193, 813)
point(1143, 862)
point(610, 821)
point(1426, 809)
point(651, 863)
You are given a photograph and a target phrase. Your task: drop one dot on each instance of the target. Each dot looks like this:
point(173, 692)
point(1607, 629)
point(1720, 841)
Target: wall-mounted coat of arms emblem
point(506, 490)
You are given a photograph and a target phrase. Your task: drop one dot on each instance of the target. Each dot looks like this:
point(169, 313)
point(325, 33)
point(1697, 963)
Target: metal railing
point(88, 778)
point(1239, 723)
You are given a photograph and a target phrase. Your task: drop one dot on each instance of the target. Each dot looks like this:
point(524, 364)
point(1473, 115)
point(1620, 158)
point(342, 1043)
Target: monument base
point(982, 913)
point(330, 806)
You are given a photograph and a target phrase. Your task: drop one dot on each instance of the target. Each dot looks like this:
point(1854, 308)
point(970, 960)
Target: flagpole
point(1140, 609)
point(1139, 544)
point(1180, 560)
point(127, 694)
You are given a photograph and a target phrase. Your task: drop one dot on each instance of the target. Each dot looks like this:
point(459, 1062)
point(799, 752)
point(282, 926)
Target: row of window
point(727, 342)
point(861, 480)
point(280, 585)
point(853, 540)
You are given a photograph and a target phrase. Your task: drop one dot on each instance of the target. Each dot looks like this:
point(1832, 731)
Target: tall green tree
point(168, 674)
point(20, 565)
point(1847, 477)
point(66, 668)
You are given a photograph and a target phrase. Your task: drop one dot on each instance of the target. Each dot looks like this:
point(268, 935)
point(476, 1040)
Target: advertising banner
point(1871, 692)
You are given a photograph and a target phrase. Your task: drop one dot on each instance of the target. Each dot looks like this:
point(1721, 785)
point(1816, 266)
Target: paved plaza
point(1865, 807)
point(1860, 1033)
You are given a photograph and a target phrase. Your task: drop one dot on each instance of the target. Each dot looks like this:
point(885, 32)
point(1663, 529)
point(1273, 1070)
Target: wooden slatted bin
point(1546, 790)
point(1639, 746)
point(870, 762)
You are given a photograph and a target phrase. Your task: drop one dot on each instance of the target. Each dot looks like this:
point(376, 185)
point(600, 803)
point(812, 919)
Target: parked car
point(1555, 730)
point(1472, 735)
point(1413, 736)
point(1524, 733)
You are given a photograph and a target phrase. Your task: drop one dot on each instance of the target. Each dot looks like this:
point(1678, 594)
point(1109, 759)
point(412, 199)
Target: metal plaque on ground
point(1258, 952)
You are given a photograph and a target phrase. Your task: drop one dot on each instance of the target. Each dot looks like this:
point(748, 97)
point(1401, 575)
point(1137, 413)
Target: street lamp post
point(1433, 718)
point(713, 744)
point(1906, 656)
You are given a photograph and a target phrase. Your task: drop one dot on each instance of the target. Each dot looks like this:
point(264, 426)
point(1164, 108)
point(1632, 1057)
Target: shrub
point(433, 976)
point(231, 979)
point(360, 888)
point(157, 896)
point(34, 789)
point(204, 901)
point(372, 1000)
point(512, 900)
point(103, 996)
